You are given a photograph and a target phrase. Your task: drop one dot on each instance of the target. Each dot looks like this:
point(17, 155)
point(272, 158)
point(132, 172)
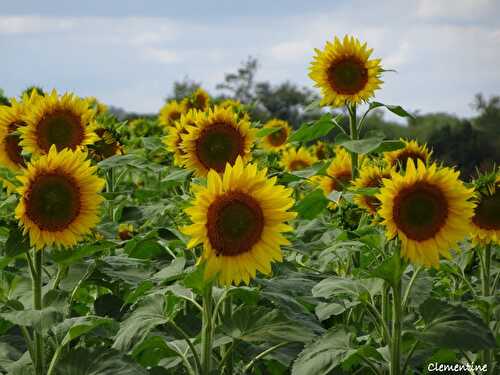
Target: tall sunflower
point(60, 198)
point(370, 176)
point(171, 112)
point(344, 73)
point(218, 138)
point(339, 172)
point(428, 208)
point(198, 100)
point(173, 140)
point(64, 121)
point(276, 141)
point(485, 223)
point(239, 218)
point(294, 159)
point(412, 150)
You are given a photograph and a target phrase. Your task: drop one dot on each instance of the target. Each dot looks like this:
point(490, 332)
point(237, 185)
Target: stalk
point(36, 278)
point(486, 292)
point(207, 332)
point(353, 130)
point(396, 324)
point(227, 311)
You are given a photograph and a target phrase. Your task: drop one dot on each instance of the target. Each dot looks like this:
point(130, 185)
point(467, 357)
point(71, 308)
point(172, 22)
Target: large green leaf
point(310, 132)
point(453, 327)
point(396, 109)
point(390, 269)
point(267, 131)
point(17, 243)
point(73, 255)
point(363, 146)
point(312, 204)
point(340, 286)
point(41, 320)
point(73, 328)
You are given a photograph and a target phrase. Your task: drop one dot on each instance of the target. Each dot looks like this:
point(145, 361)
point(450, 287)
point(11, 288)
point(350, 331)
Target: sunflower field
point(204, 242)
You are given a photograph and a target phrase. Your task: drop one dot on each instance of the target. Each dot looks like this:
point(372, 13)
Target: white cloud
point(455, 9)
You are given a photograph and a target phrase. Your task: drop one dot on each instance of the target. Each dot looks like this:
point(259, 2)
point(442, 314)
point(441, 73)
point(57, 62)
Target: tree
point(240, 85)
point(182, 89)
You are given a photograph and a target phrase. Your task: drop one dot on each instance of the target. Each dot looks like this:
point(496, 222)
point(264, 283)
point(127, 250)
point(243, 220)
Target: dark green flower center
point(420, 211)
point(348, 76)
point(234, 224)
point(487, 212)
point(61, 128)
point(53, 201)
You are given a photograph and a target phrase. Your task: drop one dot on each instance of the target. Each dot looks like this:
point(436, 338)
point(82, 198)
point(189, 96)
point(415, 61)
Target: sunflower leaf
point(396, 109)
point(362, 146)
point(312, 204)
point(309, 132)
point(267, 131)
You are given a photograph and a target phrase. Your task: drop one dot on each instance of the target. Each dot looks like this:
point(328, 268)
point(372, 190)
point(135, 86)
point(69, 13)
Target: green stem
point(353, 129)
point(396, 324)
point(61, 273)
point(385, 310)
point(190, 345)
point(486, 292)
point(207, 332)
point(36, 277)
point(263, 354)
point(406, 297)
point(227, 350)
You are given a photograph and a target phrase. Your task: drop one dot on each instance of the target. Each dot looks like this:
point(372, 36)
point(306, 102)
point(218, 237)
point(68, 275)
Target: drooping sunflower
point(64, 121)
point(276, 141)
point(294, 159)
point(344, 73)
point(107, 145)
point(171, 112)
point(199, 100)
point(173, 140)
point(485, 223)
point(412, 150)
point(339, 172)
point(60, 198)
point(428, 208)
point(320, 150)
point(239, 218)
point(370, 176)
point(218, 138)
point(11, 119)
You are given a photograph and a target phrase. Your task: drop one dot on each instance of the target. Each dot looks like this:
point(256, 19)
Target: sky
point(128, 53)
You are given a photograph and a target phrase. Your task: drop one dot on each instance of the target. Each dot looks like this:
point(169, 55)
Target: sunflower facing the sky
point(339, 172)
point(428, 208)
point(60, 198)
point(486, 220)
point(294, 159)
point(171, 112)
point(370, 176)
point(412, 150)
point(344, 73)
point(218, 138)
point(239, 218)
point(63, 121)
point(276, 141)
point(173, 139)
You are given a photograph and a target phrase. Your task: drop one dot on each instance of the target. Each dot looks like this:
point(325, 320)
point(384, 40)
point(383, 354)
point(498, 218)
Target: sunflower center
point(420, 211)
point(278, 137)
point(408, 154)
point(234, 224)
point(61, 128)
point(340, 180)
point(217, 145)
point(12, 146)
point(348, 76)
point(375, 182)
point(174, 116)
point(487, 212)
point(53, 201)
point(296, 165)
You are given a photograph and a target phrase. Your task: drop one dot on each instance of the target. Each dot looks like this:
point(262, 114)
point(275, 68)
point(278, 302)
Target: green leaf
point(362, 146)
point(341, 286)
point(17, 243)
point(389, 270)
point(266, 131)
point(312, 204)
point(325, 354)
point(259, 324)
point(172, 271)
point(76, 327)
point(453, 327)
point(309, 132)
point(389, 145)
point(73, 255)
point(144, 248)
point(40, 320)
point(396, 109)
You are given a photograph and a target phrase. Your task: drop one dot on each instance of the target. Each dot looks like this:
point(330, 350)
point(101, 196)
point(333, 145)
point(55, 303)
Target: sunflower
point(173, 139)
point(320, 150)
point(339, 172)
point(276, 141)
point(297, 159)
point(486, 220)
point(370, 176)
point(107, 146)
point(64, 121)
point(96, 105)
point(412, 150)
point(171, 112)
point(60, 198)
point(218, 138)
point(239, 218)
point(344, 72)
point(428, 208)
point(125, 231)
point(199, 100)
point(11, 119)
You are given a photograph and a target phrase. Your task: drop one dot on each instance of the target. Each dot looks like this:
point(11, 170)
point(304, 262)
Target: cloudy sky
point(128, 53)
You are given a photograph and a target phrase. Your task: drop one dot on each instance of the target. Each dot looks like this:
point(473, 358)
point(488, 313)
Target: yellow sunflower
point(320, 150)
point(11, 118)
point(239, 218)
point(412, 150)
point(344, 73)
point(218, 138)
point(339, 172)
point(96, 105)
point(125, 231)
point(370, 176)
point(428, 208)
point(64, 121)
point(171, 112)
point(296, 159)
point(173, 140)
point(107, 146)
point(486, 220)
point(60, 198)
point(276, 141)
point(199, 100)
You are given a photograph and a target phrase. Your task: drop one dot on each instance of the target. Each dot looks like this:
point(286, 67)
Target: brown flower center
point(420, 211)
point(61, 128)
point(234, 224)
point(339, 181)
point(348, 76)
point(53, 201)
point(12, 147)
point(487, 212)
point(370, 200)
point(403, 157)
point(277, 138)
point(219, 144)
point(297, 165)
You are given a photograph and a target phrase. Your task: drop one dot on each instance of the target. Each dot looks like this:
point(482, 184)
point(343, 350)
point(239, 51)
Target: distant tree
point(3, 99)
point(32, 88)
point(182, 89)
point(241, 85)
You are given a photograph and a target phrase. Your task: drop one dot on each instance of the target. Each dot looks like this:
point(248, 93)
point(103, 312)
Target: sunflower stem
point(353, 130)
point(485, 292)
point(36, 278)
point(227, 350)
point(396, 322)
point(207, 332)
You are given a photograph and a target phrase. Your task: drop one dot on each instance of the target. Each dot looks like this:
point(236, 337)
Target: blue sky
point(128, 53)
